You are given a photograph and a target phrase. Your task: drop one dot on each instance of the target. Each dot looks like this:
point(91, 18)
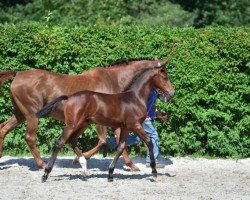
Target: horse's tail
point(6, 75)
point(48, 108)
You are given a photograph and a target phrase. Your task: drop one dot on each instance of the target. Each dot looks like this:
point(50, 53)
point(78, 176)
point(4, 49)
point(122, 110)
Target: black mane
point(138, 76)
point(126, 61)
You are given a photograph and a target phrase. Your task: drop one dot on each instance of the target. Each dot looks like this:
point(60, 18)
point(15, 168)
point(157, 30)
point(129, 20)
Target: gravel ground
point(182, 178)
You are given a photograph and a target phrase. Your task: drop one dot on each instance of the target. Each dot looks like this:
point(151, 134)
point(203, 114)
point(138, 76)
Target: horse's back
point(112, 110)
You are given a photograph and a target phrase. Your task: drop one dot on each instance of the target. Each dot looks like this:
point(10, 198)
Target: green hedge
point(210, 71)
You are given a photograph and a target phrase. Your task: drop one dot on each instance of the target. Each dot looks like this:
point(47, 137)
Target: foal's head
point(161, 81)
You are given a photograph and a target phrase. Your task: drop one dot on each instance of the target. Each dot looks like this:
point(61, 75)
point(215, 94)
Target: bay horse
point(125, 110)
point(32, 89)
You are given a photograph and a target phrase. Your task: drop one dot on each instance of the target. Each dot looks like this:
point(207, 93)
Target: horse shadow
point(118, 176)
point(66, 162)
point(97, 164)
point(29, 162)
point(11, 162)
point(102, 164)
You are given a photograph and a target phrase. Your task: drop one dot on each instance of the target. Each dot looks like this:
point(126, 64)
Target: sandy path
point(182, 178)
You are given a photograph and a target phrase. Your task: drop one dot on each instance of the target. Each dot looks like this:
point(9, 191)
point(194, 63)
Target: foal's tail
point(6, 75)
point(48, 108)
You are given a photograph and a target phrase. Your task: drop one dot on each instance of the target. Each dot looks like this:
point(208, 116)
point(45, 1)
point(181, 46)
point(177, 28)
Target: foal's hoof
point(44, 178)
point(154, 174)
point(85, 172)
point(41, 165)
point(134, 169)
point(110, 179)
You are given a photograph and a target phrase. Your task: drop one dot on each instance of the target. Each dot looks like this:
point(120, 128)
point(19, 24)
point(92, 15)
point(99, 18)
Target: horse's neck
point(142, 86)
point(124, 75)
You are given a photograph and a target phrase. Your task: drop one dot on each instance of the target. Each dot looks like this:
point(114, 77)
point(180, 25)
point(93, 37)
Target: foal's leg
point(125, 155)
point(101, 130)
point(73, 142)
point(120, 149)
point(102, 135)
point(141, 133)
point(59, 144)
point(5, 128)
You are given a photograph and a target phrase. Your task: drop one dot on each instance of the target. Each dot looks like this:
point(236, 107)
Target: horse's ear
point(155, 58)
point(162, 63)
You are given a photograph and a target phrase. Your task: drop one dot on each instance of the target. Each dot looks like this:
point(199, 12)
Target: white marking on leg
point(83, 163)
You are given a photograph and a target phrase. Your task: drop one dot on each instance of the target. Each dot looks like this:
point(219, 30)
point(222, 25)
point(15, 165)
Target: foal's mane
point(138, 76)
point(122, 62)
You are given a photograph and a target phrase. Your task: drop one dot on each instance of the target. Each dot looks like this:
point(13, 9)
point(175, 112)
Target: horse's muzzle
point(166, 97)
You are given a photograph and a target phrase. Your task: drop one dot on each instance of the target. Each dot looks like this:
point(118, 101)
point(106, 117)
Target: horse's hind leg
point(120, 149)
point(59, 144)
point(125, 155)
point(101, 130)
point(129, 162)
point(30, 137)
point(5, 128)
point(73, 142)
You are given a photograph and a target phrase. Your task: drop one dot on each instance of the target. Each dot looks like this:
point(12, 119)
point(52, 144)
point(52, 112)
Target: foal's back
point(113, 110)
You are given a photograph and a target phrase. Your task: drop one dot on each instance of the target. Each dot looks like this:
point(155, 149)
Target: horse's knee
point(29, 139)
point(59, 143)
point(149, 142)
point(120, 149)
point(102, 142)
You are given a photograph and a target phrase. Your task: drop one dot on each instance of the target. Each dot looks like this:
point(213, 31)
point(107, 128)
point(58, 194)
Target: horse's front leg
point(141, 133)
point(5, 128)
point(121, 147)
point(59, 144)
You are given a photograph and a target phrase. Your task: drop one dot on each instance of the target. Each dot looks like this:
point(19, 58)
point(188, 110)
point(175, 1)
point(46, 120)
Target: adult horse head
point(165, 89)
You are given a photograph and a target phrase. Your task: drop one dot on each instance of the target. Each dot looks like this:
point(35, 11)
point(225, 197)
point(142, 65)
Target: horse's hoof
point(110, 179)
point(41, 165)
point(85, 172)
point(135, 169)
point(75, 160)
point(44, 178)
point(154, 174)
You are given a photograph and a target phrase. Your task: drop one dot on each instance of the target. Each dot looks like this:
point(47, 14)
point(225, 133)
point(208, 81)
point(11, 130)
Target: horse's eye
point(165, 77)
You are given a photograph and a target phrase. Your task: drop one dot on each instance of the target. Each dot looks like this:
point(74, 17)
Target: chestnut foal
point(126, 110)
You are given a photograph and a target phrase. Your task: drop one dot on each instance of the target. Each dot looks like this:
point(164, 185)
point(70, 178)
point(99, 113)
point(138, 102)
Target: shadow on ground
point(66, 162)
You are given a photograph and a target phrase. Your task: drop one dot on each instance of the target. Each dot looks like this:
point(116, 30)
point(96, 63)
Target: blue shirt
point(151, 102)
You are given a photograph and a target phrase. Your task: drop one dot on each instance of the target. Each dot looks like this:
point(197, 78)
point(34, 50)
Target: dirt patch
point(182, 178)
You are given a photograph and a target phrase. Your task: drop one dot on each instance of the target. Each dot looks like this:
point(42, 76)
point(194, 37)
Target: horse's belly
point(110, 122)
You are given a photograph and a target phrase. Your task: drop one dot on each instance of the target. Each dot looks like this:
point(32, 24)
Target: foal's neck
point(142, 86)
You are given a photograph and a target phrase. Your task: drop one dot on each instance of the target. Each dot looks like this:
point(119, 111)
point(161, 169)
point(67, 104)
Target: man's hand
point(165, 118)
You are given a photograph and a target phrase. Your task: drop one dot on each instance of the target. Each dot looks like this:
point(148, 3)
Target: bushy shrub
point(210, 71)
